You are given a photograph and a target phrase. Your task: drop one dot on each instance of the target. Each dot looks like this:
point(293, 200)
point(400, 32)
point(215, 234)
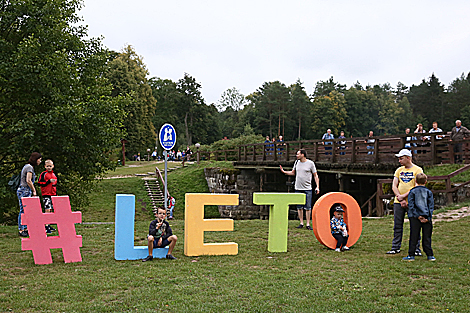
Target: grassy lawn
point(308, 278)
point(446, 169)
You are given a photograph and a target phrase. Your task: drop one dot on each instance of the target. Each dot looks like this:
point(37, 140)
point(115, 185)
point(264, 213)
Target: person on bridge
point(305, 169)
point(459, 132)
point(436, 129)
point(403, 181)
point(328, 135)
point(370, 142)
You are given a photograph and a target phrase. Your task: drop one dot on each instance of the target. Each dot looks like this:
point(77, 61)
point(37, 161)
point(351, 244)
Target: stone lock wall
point(241, 182)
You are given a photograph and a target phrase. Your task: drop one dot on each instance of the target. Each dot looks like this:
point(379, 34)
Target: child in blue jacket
point(339, 229)
point(420, 208)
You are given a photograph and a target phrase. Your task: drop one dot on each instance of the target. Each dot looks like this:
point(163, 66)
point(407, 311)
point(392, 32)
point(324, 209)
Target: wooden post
point(254, 153)
point(245, 153)
point(287, 152)
point(379, 205)
point(353, 151)
point(376, 151)
point(433, 150)
point(315, 151)
point(333, 155)
point(451, 152)
point(264, 151)
point(239, 153)
point(217, 156)
point(225, 155)
point(403, 142)
point(448, 192)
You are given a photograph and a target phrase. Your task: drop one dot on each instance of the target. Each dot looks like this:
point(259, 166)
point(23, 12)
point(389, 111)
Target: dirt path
point(452, 215)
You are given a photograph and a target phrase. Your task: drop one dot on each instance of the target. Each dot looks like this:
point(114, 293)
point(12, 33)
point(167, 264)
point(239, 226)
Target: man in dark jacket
point(160, 235)
point(459, 132)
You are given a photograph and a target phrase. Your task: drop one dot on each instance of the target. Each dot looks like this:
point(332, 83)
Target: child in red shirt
point(48, 183)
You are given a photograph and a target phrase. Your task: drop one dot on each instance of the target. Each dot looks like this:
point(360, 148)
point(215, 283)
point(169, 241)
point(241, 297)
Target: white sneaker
point(338, 250)
point(345, 248)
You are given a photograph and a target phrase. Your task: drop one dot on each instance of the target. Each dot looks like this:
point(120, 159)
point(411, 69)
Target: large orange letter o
point(321, 218)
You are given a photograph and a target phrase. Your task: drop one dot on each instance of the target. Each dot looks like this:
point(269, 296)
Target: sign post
point(167, 138)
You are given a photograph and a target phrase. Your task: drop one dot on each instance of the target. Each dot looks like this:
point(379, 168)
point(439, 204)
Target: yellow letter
point(195, 225)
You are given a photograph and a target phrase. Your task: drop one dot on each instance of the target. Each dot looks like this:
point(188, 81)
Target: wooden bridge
point(428, 151)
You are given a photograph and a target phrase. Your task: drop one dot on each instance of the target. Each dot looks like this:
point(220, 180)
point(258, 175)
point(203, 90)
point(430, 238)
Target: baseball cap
point(403, 152)
point(339, 209)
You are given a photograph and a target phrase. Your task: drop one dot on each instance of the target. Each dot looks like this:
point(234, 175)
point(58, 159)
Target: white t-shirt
point(303, 174)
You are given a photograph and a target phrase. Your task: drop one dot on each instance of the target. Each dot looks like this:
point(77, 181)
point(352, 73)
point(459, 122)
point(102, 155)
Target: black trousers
point(415, 229)
point(458, 149)
point(341, 240)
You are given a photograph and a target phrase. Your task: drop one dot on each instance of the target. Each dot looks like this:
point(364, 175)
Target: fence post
point(433, 149)
point(315, 151)
point(353, 152)
point(265, 147)
point(287, 152)
point(239, 153)
point(451, 152)
point(225, 155)
point(245, 153)
point(254, 153)
point(333, 156)
point(376, 151)
point(379, 204)
point(448, 192)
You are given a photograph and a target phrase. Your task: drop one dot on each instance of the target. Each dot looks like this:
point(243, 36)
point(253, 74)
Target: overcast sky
point(243, 44)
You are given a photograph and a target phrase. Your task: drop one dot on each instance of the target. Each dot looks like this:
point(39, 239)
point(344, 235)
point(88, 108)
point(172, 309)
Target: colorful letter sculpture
point(124, 248)
point(278, 216)
point(195, 225)
point(39, 242)
point(321, 218)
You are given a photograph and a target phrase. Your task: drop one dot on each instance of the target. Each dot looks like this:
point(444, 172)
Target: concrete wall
point(241, 182)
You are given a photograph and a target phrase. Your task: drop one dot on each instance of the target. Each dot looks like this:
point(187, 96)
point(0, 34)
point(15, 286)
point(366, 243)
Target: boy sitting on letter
point(160, 236)
point(338, 229)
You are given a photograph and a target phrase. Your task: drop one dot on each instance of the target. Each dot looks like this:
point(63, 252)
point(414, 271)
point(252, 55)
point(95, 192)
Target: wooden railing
point(349, 150)
point(449, 190)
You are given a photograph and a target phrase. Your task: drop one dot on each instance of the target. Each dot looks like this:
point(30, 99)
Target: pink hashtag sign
point(39, 243)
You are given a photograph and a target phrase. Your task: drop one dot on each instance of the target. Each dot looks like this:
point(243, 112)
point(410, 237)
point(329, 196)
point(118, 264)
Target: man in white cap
point(403, 182)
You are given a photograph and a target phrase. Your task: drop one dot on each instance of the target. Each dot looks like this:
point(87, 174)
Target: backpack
point(14, 182)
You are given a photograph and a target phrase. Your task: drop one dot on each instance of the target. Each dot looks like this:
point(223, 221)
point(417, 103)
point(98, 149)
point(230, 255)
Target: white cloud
point(242, 44)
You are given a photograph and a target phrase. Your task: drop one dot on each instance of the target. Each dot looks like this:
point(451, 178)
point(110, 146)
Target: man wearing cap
point(305, 169)
point(403, 182)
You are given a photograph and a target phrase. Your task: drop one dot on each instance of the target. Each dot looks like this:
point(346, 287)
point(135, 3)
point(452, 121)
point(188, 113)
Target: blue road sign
point(167, 136)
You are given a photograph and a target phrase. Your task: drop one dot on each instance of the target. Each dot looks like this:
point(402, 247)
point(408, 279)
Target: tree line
point(72, 99)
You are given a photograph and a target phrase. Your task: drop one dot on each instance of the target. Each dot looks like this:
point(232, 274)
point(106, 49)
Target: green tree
point(328, 112)
point(457, 101)
point(128, 75)
point(362, 112)
point(190, 103)
point(325, 88)
point(427, 100)
point(271, 102)
point(299, 108)
point(54, 97)
point(229, 105)
point(166, 109)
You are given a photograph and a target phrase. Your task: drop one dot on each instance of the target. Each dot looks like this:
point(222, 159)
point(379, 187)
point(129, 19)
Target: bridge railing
point(449, 190)
point(379, 149)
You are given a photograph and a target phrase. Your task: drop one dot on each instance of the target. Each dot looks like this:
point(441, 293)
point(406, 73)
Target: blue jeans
point(308, 200)
point(22, 192)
